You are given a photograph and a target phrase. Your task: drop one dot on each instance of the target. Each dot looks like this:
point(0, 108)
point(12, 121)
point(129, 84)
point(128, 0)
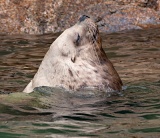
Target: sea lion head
point(76, 60)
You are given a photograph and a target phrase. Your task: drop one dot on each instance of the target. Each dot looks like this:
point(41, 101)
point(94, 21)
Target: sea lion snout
point(83, 17)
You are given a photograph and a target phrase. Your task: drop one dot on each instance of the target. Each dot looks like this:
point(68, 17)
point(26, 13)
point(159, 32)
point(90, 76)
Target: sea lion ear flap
point(73, 57)
point(72, 52)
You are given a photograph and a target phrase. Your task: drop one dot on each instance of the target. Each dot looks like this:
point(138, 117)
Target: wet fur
point(75, 63)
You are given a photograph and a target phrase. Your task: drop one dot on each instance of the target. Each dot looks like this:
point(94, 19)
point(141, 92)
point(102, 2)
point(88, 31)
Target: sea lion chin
point(76, 60)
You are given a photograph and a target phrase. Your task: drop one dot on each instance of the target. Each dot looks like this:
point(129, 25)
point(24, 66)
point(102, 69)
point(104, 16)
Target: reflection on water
point(135, 114)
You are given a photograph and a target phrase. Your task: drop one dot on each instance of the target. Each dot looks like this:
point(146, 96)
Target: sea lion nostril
point(83, 17)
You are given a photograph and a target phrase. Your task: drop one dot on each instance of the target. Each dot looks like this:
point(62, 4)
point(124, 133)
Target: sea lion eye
point(78, 40)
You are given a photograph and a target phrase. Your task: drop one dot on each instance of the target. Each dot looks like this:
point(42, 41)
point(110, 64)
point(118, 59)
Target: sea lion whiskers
point(97, 46)
point(94, 44)
point(95, 50)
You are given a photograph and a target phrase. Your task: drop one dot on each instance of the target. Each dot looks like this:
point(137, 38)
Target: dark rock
point(44, 16)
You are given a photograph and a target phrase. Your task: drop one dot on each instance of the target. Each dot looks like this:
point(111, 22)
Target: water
point(135, 114)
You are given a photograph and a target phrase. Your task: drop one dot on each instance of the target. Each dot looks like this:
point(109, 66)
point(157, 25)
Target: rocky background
point(45, 16)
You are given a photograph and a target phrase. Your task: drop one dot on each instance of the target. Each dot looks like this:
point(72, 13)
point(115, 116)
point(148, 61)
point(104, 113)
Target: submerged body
point(76, 60)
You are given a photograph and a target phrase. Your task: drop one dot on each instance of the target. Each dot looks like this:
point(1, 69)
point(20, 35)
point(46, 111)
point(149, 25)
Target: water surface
point(135, 114)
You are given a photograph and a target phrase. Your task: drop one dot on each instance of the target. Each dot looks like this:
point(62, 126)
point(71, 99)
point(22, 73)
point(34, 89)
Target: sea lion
point(76, 60)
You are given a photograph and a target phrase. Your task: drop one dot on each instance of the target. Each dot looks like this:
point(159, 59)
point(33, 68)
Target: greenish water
point(133, 114)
